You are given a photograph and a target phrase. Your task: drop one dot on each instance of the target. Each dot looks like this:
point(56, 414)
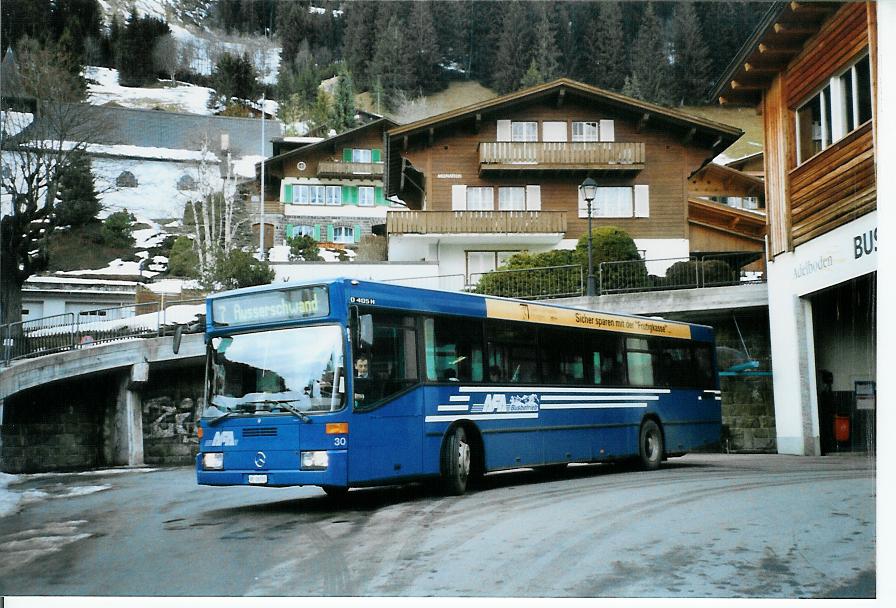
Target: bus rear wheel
point(651, 445)
point(456, 458)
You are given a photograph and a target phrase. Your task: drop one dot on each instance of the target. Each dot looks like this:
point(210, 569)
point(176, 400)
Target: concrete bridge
point(104, 404)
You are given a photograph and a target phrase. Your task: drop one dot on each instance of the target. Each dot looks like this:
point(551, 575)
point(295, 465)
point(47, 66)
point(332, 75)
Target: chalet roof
point(383, 123)
point(738, 222)
point(779, 37)
point(737, 163)
point(743, 183)
point(560, 87)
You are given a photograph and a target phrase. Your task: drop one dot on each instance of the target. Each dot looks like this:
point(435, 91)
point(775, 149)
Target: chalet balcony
point(476, 222)
point(346, 169)
point(505, 156)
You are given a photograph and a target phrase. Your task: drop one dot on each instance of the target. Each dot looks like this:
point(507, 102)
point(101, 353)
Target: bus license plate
point(258, 479)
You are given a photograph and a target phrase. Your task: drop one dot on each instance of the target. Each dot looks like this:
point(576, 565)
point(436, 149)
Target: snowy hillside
point(103, 88)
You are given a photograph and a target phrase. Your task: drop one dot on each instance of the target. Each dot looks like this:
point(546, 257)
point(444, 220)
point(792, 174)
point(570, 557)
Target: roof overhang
point(778, 38)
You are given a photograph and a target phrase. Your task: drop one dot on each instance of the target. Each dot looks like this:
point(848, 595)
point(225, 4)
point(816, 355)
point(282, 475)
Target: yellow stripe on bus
point(537, 313)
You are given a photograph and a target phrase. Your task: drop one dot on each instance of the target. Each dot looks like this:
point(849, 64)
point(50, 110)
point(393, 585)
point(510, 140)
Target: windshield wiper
point(219, 418)
point(286, 403)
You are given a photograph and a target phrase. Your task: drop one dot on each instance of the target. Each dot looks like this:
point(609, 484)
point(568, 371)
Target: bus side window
point(392, 359)
point(560, 354)
point(606, 359)
point(639, 360)
point(703, 372)
point(453, 350)
point(512, 349)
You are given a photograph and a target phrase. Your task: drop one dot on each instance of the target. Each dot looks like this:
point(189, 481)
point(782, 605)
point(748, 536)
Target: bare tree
point(38, 145)
point(216, 212)
point(166, 55)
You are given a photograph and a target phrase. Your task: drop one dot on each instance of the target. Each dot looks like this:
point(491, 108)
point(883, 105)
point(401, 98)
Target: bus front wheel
point(651, 445)
point(335, 492)
point(456, 460)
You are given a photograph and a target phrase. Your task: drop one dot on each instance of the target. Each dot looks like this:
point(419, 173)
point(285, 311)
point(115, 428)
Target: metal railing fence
point(72, 330)
point(530, 283)
point(711, 270)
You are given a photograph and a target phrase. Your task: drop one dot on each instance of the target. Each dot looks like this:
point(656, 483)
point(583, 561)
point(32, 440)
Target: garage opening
point(845, 325)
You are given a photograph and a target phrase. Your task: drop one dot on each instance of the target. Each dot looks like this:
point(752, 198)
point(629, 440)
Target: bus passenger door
point(387, 425)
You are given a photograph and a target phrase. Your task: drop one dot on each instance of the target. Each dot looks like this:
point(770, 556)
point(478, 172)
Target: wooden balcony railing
point(328, 168)
point(507, 155)
point(468, 222)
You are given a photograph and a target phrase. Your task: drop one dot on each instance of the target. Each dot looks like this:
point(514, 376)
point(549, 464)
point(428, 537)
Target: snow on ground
point(172, 286)
point(206, 47)
point(116, 267)
point(14, 122)
point(184, 97)
point(156, 194)
point(146, 238)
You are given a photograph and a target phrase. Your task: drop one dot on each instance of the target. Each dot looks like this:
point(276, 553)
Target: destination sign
point(270, 306)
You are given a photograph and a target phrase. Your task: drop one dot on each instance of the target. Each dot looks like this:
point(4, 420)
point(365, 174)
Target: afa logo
point(499, 403)
point(222, 438)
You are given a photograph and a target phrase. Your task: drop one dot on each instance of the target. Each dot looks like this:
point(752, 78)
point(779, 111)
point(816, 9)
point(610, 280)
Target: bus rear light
point(337, 428)
point(199, 432)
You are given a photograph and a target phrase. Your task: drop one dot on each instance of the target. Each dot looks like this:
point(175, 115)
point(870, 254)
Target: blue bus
point(350, 383)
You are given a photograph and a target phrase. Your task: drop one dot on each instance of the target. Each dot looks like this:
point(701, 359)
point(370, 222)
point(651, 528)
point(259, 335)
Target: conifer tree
point(344, 103)
point(546, 53)
point(607, 48)
point(358, 41)
point(423, 46)
point(78, 202)
point(391, 63)
point(514, 48)
point(691, 67)
point(651, 73)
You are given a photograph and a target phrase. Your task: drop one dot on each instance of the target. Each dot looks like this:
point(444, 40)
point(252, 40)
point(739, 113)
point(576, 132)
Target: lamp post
point(589, 191)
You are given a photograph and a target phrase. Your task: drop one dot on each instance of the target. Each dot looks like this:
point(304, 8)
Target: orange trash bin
point(841, 428)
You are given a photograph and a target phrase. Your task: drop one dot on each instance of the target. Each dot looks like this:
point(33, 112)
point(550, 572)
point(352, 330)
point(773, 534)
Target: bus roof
point(401, 297)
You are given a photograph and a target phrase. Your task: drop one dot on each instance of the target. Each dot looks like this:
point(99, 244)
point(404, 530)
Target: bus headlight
point(315, 461)
point(213, 460)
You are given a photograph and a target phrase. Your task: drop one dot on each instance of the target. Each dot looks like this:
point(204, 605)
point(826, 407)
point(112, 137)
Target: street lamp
point(589, 191)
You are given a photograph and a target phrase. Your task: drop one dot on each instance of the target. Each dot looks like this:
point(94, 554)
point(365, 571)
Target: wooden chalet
point(811, 70)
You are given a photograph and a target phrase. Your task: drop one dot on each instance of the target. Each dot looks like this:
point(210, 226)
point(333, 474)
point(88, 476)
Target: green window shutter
point(376, 155)
point(289, 230)
point(346, 195)
point(347, 155)
point(316, 234)
point(287, 193)
point(353, 195)
point(378, 198)
point(357, 233)
point(330, 233)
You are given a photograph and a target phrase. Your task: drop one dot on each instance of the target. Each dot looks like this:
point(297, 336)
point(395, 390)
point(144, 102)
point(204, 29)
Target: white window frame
point(362, 155)
point(302, 230)
point(499, 258)
point(317, 194)
point(832, 94)
point(524, 130)
point(301, 195)
point(582, 130)
point(512, 198)
point(334, 195)
point(601, 205)
point(480, 198)
point(344, 234)
point(366, 196)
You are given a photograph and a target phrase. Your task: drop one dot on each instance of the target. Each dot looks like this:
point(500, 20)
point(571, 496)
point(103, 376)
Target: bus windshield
point(294, 370)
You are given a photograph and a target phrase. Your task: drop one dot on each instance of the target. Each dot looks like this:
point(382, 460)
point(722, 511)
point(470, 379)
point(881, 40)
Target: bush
point(241, 269)
point(117, 229)
point(534, 282)
point(183, 261)
point(611, 244)
point(304, 248)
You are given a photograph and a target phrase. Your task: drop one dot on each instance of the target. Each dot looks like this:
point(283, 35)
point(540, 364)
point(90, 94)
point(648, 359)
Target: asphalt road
point(703, 526)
